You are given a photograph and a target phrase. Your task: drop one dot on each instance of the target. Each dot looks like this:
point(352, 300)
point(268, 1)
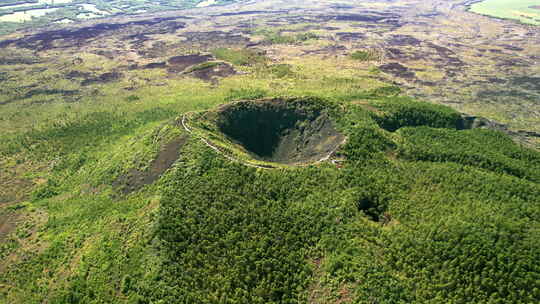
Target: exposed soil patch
point(8, 223)
point(138, 40)
point(397, 70)
point(26, 238)
point(280, 131)
point(135, 179)
point(430, 15)
point(13, 189)
point(496, 51)
point(213, 72)
point(454, 62)
point(178, 64)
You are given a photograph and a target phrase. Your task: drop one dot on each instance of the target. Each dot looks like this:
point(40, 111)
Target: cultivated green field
point(526, 11)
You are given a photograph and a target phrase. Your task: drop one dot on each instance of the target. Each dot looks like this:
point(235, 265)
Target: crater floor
point(279, 131)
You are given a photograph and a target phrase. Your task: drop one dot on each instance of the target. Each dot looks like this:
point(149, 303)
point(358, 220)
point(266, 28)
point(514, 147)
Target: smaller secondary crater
point(281, 131)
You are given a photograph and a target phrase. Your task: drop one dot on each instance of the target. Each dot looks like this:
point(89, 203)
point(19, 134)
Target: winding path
point(206, 142)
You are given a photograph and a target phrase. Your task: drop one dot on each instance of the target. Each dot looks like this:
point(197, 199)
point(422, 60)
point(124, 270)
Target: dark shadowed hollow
point(281, 131)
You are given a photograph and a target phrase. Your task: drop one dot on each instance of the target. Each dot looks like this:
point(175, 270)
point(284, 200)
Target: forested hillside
point(416, 211)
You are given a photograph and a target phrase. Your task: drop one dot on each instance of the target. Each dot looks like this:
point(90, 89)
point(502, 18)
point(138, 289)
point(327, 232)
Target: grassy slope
point(396, 224)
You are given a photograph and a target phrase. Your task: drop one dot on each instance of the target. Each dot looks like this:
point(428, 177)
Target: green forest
point(420, 211)
point(426, 214)
point(122, 198)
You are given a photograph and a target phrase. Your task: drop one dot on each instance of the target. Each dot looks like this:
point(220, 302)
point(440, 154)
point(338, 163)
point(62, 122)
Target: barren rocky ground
point(435, 49)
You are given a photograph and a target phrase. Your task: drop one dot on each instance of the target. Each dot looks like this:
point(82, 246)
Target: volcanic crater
point(281, 131)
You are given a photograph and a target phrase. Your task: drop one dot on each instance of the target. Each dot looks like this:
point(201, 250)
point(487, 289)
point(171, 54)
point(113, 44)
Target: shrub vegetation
point(239, 56)
point(369, 55)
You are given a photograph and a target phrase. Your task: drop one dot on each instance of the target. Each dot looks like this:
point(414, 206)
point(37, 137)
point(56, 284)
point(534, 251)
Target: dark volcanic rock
point(497, 80)
point(403, 40)
point(249, 13)
point(77, 36)
point(78, 74)
point(212, 72)
point(394, 53)
point(103, 78)
point(397, 70)
point(155, 65)
point(135, 179)
point(214, 39)
point(180, 63)
point(512, 48)
point(73, 94)
point(361, 18)
point(514, 93)
point(350, 36)
point(18, 60)
point(527, 82)
point(477, 122)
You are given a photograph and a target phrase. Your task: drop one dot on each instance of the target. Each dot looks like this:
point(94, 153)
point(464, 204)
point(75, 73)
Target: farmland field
point(526, 11)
